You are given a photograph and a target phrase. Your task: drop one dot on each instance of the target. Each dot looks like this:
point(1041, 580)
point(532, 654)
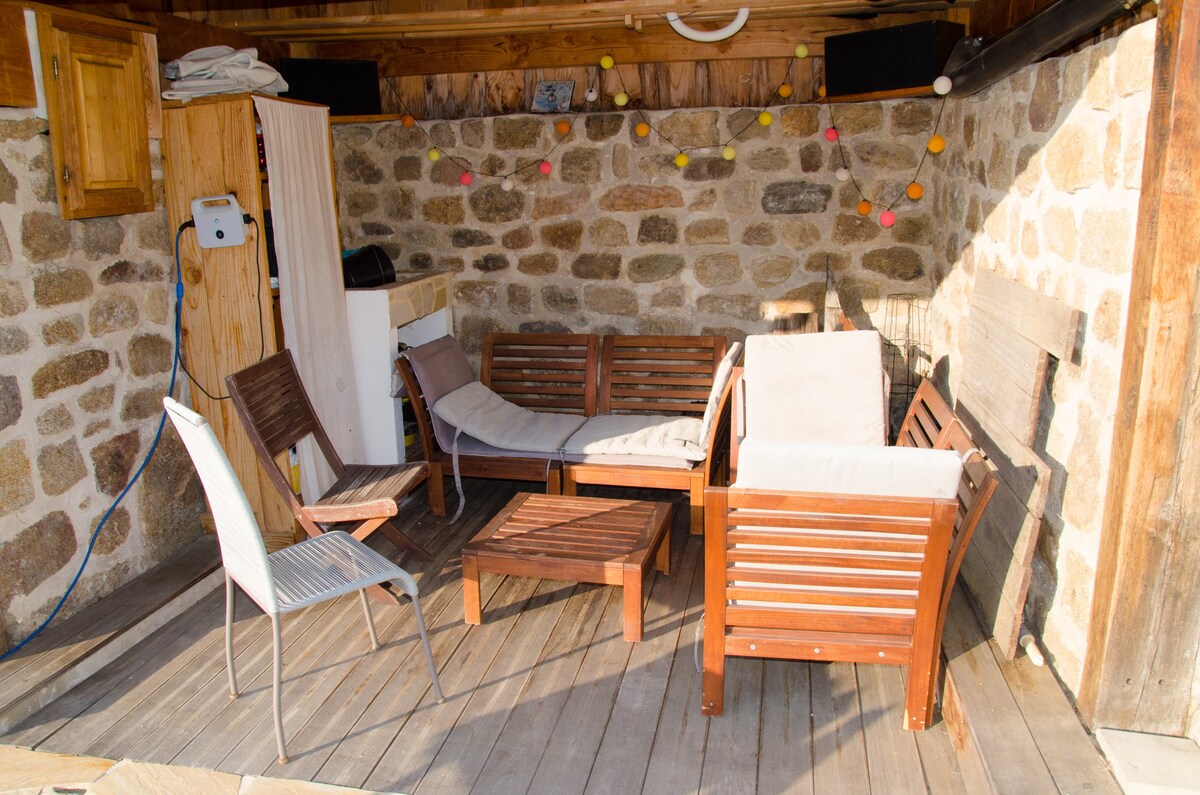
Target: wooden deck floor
point(545, 696)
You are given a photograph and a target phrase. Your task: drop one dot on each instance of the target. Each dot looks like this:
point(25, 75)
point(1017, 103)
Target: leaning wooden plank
point(999, 399)
point(1068, 750)
point(1044, 320)
point(993, 346)
point(998, 751)
point(1016, 464)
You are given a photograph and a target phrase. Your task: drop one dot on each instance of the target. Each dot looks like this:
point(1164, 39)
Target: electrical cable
point(136, 475)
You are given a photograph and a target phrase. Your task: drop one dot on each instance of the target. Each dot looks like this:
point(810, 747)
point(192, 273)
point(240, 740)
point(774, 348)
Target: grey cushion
point(441, 367)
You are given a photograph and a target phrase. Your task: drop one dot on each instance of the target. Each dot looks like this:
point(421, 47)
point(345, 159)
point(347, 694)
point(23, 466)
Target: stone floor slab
point(128, 777)
point(1151, 764)
point(22, 769)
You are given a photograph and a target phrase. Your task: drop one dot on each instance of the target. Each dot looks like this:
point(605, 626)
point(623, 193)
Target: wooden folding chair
point(276, 412)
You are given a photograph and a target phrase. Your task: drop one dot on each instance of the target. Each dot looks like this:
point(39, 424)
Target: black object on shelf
point(368, 266)
point(349, 88)
point(886, 59)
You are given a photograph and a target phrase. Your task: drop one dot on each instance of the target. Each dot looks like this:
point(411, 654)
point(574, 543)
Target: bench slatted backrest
point(658, 374)
point(543, 372)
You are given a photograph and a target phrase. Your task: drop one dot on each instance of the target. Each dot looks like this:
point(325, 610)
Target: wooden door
point(96, 100)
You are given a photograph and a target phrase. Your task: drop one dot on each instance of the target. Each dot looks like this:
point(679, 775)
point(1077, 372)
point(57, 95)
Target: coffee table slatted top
point(578, 528)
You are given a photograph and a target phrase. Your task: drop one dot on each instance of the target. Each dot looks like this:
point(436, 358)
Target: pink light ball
point(545, 167)
point(887, 218)
point(466, 178)
point(831, 134)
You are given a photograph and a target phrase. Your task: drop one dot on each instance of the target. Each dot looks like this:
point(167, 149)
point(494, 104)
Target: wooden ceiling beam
point(615, 14)
point(759, 39)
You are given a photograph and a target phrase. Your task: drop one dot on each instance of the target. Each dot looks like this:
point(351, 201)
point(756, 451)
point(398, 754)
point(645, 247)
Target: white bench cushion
point(848, 469)
point(639, 434)
point(822, 388)
point(720, 380)
point(481, 413)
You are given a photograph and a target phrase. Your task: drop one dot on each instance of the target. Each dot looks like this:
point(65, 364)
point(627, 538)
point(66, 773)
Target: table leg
point(472, 610)
point(631, 592)
point(662, 561)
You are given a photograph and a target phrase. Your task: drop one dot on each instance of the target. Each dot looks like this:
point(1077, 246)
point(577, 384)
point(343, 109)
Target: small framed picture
point(552, 96)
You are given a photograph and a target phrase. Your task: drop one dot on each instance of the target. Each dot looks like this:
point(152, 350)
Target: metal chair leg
point(437, 686)
point(229, 595)
point(276, 678)
point(366, 606)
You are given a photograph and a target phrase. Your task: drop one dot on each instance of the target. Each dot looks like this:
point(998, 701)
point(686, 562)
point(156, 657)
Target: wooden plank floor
point(545, 696)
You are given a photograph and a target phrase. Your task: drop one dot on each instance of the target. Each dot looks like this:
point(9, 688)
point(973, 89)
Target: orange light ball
point(820, 91)
point(864, 207)
point(785, 91)
point(936, 144)
point(407, 120)
point(642, 129)
point(915, 190)
point(562, 126)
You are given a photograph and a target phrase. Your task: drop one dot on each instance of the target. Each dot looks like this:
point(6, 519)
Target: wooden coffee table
point(584, 539)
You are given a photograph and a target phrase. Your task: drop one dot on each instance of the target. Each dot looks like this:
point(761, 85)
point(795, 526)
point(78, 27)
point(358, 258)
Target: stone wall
point(617, 238)
point(1041, 184)
point(86, 339)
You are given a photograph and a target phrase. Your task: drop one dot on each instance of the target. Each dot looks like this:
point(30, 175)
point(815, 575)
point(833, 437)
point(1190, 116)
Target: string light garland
point(914, 190)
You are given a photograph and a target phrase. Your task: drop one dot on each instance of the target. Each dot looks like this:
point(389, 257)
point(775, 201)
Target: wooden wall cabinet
point(96, 92)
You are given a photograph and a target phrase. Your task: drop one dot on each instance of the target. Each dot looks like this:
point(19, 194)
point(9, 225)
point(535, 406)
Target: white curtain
point(312, 297)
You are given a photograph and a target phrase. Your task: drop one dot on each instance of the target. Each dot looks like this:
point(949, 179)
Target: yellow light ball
point(765, 118)
point(642, 129)
point(936, 144)
point(821, 91)
point(562, 126)
point(864, 207)
point(728, 152)
point(681, 159)
point(621, 99)
point(785, 91)
point(801, 50)
point(434, 155)
point(606, 62)
point(915, 190)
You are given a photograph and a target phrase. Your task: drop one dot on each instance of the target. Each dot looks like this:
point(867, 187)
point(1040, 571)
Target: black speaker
point(886, 59)
point(349, 88)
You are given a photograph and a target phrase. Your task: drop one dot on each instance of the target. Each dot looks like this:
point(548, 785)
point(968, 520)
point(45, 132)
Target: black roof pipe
point(974, 65)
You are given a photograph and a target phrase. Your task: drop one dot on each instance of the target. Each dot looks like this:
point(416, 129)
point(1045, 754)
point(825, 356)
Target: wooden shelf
point(895, 93)
point(366, 119)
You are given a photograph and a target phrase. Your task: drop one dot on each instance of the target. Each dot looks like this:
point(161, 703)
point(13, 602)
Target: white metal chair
point(315, 570)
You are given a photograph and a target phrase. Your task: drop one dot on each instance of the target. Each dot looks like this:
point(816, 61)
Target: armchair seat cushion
point(848, 469)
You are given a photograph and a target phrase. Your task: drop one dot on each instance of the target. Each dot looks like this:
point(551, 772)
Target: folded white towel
point(221, 70)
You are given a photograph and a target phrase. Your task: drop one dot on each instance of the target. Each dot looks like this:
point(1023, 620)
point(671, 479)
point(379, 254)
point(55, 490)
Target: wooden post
point(1141, 654)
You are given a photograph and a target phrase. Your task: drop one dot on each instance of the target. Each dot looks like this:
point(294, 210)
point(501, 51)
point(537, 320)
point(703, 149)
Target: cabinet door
point(96, 98)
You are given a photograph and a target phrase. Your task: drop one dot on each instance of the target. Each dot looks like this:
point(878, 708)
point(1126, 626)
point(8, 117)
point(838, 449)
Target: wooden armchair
point(276, 412)
point(802, 564)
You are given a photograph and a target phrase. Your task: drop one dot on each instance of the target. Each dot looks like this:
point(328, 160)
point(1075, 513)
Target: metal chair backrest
point(242, 548)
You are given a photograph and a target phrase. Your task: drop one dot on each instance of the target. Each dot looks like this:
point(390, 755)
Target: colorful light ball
point(545, 167)
point(606, 62)
point(785, 91)
point(681, 159)
point(801, 50)
point(466, 178)
point(821, 91)
point(864, 207)
point(728, 152)
point(621, 99)
point(942, 85)
point(562, 126)
point(765, 118)
point(407, 120)
point(434, 155)
point(842, 174)
point(915, 190)
point(887, 218)
point(591, 95)
point(507, 184)
point(831, 134)
point(642, 129)
point(936, 144)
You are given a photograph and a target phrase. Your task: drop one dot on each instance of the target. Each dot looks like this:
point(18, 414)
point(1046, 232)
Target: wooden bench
point(580, 373)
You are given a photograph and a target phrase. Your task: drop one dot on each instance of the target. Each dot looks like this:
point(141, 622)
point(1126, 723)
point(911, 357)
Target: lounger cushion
point(720, 380)
point(490, 418)
point(822, 388)
point(639, 434)
point(848, 469)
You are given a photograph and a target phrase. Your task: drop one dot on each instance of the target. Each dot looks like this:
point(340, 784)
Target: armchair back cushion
point(822, 388)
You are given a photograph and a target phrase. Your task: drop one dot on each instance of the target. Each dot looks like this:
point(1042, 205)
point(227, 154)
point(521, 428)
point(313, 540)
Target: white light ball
point(942, 85)
point(842, 174)
point(591, 95)
point(506, 185)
